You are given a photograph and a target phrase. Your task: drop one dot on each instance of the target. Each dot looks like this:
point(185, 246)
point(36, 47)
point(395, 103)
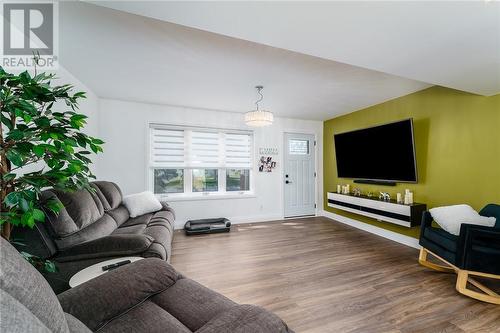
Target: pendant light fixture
point(259, 118)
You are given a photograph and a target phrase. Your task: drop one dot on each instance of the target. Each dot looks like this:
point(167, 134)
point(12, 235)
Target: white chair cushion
point(450, 218)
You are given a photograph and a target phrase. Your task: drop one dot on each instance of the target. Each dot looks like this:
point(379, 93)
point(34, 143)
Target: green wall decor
point(457, 139)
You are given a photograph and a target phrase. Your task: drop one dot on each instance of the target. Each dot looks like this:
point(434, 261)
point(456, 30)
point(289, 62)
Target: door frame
point(315, 147)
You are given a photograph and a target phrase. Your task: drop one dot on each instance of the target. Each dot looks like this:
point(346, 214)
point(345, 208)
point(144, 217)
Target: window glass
point(205, 180)
point(195, 161)
point(237, 180)
point(298, 147)
point(168, 180)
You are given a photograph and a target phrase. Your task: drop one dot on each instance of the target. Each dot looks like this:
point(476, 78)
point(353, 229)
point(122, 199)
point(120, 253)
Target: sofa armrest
point(98, 301)
point(108, 246)
point(479, 248)
point(166, 206)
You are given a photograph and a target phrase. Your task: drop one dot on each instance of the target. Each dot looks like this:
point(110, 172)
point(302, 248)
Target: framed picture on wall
point(266, 164)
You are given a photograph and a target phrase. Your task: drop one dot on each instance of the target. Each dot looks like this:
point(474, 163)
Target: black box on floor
point(207, 226)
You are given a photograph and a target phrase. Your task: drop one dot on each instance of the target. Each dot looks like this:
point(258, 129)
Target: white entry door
point(299, 175)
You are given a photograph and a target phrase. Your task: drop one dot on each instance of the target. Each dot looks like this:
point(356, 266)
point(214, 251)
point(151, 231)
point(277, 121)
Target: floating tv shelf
point(388, 211)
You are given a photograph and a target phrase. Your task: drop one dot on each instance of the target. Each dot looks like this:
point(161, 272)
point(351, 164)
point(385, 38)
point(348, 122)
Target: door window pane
point(237, 180)
point(205, 180)
point(298, 147)
point(168, 180)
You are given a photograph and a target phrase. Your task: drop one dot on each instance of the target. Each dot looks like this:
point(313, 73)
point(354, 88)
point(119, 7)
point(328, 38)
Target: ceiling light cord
point(259, 88)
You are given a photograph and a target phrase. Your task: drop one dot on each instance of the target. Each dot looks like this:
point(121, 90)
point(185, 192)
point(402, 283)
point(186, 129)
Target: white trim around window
point(196, 163)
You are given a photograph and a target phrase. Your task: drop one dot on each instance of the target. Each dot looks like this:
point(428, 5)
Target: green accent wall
point(457, 139)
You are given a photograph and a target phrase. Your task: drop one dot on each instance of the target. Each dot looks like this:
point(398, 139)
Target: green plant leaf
point(97, 141)
point(28, 220)
point(11, 199)
point(38, 215)
point(39, 150)
point(14, 157)
point(23, 204)
point(8, 177)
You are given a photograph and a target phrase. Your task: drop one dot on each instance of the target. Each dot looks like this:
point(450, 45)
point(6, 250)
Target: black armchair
point(474, 252)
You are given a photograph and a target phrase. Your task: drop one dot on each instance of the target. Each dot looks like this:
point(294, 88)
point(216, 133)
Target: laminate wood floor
point(323, 276)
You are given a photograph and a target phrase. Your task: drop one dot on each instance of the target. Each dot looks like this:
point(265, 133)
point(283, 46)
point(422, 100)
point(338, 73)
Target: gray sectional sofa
point(145, 296)
point(95, 226)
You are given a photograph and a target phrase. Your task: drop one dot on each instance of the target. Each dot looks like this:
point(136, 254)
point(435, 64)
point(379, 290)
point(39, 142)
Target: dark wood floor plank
point(323, 276)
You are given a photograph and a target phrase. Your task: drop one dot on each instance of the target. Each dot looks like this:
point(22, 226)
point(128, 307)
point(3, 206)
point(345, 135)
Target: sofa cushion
point(111, 194)
point(26, 285)
point(83, 206)
point(61, 224)
point(146, 317)
point(191, 303)
point(119, 214)
point(244, 318)
point(131, 230)
point(100, 228)
point(108, 246)
point(139, 220)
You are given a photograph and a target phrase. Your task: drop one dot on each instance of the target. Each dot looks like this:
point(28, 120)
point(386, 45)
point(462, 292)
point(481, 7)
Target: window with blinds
point(200, 160)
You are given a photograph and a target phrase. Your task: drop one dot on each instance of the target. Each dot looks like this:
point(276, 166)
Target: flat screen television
point(384, 153)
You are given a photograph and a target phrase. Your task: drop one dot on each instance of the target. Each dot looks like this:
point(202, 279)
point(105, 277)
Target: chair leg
point(488, 295)
point(422, 259)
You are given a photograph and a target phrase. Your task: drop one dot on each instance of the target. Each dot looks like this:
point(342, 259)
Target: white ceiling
point(129, 57)
point(450, 43)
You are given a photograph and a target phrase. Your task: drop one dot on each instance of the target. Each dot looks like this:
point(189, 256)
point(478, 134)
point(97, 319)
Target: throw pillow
point(450, 218)
point(141, 203)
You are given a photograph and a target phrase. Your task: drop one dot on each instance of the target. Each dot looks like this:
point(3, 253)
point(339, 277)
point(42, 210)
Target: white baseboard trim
point(394, 236)
point(239, 220)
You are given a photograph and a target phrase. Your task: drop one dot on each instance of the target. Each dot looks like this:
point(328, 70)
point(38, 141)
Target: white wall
point(124, 128)
point(88, 106)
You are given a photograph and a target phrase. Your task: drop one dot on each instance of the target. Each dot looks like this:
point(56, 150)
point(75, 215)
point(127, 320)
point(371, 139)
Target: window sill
point(204, 197)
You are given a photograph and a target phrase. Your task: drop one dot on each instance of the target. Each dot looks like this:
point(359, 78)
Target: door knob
point(288, 182)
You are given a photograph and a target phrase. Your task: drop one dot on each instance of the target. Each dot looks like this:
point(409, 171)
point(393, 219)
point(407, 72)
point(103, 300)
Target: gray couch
point(145, 296)
point(93, 227)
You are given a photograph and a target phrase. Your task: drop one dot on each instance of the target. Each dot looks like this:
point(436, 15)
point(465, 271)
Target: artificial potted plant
point(42, 145)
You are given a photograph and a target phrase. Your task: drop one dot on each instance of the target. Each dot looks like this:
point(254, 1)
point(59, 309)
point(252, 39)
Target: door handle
point(288, 182)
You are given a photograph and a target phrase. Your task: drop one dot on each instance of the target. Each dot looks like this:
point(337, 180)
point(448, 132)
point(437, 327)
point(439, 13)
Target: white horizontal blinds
point(238, 150)
point(204, 149)
point(167, 148)
point(200, 148)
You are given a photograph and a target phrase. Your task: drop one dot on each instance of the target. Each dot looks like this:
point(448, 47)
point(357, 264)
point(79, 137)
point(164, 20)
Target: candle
point(410, 198)
point(407, 197)
point(398, 197)
point(338, 188)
